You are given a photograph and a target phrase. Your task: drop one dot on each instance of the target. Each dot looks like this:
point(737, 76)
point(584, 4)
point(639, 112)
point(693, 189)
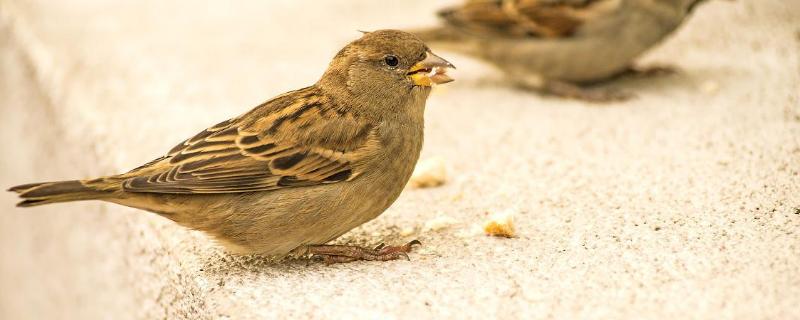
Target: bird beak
point(431, 70)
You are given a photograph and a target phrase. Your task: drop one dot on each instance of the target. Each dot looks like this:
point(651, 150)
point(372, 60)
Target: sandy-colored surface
point(684, 203)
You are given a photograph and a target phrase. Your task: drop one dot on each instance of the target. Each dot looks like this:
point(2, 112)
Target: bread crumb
point(500, 224)
point(429, 173)
point(439, 223)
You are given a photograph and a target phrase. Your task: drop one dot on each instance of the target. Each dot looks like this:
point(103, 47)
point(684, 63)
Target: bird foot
point(330, 254)
point(598, 95)
point(651, 71)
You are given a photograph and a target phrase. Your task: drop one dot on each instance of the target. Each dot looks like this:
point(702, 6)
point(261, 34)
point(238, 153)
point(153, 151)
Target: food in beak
point(431, 70)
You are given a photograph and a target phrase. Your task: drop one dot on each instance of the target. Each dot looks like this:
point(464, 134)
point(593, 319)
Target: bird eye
point(391, 60)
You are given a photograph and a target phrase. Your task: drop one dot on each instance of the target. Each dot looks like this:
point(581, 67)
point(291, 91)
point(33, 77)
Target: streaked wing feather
point(525, 18)
point(263, 150)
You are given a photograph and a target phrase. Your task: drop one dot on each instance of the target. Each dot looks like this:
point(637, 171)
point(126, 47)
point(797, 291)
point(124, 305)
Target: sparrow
point(298, 170)
point(560, 47)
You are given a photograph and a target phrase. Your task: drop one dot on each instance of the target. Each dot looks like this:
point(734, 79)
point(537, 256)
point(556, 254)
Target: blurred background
point(683, 202)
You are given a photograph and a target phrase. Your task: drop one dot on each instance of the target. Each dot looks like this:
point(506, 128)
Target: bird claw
point(651, 71)
point(330, 254)
point(404, 248)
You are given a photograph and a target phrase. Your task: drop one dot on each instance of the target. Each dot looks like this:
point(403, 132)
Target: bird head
point(386, 65)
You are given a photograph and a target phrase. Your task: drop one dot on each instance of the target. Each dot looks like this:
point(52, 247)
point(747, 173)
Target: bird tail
point(35, 194)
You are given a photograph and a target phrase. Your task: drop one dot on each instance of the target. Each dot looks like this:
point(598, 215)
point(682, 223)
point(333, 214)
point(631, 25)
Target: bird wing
point(297, 139)
point(526, 18)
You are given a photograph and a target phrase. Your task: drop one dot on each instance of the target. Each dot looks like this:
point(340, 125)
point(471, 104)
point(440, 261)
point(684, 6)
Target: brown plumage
point(300, 169)
point(560, 46)
point(525, 18)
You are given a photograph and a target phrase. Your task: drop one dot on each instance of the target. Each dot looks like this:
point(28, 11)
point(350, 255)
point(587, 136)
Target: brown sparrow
point(560, 46)
point(298, 170)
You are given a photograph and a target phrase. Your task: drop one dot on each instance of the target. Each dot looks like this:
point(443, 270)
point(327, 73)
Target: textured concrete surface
point(683, 203)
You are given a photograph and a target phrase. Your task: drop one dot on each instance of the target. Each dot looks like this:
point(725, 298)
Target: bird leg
point(332, 253)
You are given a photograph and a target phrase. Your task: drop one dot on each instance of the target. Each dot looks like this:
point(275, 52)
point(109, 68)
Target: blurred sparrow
point(560, 46)
point(297, 171)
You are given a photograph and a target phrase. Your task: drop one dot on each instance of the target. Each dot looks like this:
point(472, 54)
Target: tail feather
point(35, 194)
point(23, 187)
